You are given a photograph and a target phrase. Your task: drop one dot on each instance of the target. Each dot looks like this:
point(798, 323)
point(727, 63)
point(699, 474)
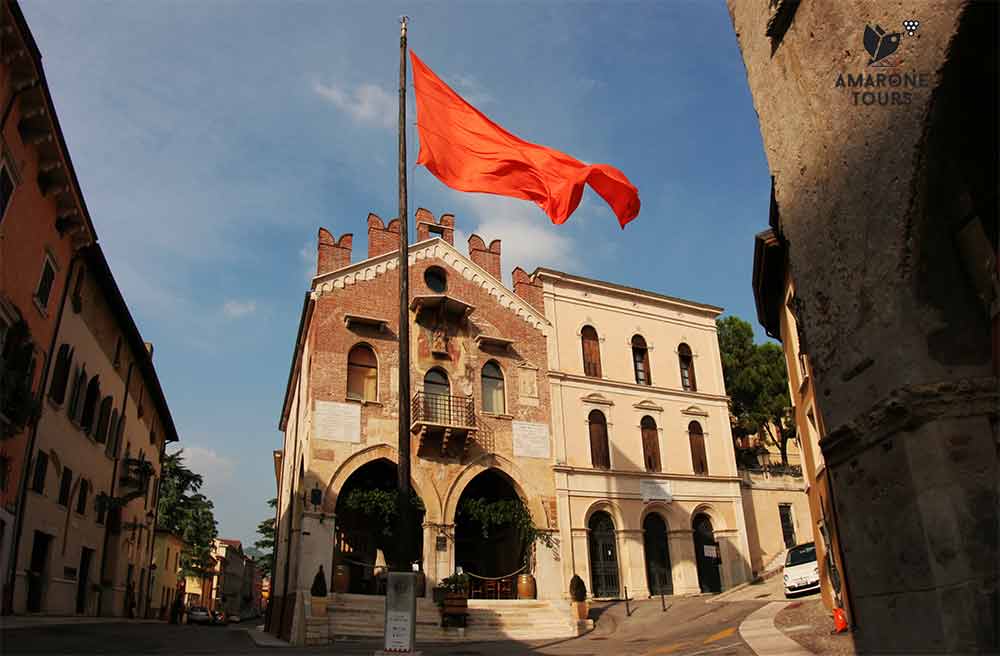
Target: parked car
point(234, 619)
point(801, 570)
point(199, 615)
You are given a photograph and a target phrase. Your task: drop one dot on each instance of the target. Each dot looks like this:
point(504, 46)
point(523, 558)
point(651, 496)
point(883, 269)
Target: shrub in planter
point(578, 593)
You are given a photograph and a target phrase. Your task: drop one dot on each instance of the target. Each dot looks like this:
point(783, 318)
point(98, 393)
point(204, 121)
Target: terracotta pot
point(526, 586)
point(580, 610)
point(341, 578)
point(318, 606)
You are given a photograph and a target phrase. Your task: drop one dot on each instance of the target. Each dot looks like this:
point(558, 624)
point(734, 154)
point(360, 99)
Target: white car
point(801, 570)
point(199, 615)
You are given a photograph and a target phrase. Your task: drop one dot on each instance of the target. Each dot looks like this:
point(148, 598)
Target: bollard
point(663, 602)
point(628, 612)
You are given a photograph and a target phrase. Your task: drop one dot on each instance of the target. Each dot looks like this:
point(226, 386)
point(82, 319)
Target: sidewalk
point(764, 638)
point(31, 621)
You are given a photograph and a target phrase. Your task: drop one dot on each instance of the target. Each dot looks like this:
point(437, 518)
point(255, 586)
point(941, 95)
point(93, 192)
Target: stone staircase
point(363, 616)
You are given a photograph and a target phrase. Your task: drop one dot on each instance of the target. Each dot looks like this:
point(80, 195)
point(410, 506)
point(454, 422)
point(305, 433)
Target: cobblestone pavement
point(689, 627)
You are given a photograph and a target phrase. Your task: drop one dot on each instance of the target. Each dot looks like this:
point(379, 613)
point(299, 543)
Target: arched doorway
point(654, 534)
point(436, 393)
point(367, 526)
point(492, 553)
point(603, 555)
point(706, 552)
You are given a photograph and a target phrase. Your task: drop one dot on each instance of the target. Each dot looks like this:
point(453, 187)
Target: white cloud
point(213, 467)
point(235, 309)
point(528, 239)
point(470, 88)
point(369, 103)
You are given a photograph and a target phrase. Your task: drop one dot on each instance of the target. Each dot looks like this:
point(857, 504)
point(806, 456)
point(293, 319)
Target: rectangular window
point(81, 499)
point(41, 468)
point(6, 190)
point(4, 472)
point(102, 507)
point(65, 486)
point(44, 289)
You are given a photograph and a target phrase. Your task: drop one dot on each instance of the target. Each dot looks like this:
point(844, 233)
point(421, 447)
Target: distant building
point(167, 581)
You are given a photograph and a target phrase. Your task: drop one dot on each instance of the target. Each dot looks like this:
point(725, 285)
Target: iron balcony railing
point(443, 410)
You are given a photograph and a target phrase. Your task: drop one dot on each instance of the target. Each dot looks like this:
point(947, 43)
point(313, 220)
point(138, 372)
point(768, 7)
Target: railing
point(443, 410)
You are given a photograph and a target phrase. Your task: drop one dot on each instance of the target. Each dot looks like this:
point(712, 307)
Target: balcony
point(450, 417)
point(135, 476)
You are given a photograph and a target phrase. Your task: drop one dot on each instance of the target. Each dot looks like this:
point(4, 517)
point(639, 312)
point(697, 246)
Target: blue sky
point(213, 139)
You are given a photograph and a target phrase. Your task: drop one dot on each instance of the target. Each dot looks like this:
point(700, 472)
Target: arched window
point(437, 405)
point(103, 417)
point(640, 361)
point(600, 455)
point(698, 458)
point(493, 392)
point(687, 368)
point(112, 432)
point(362, 373)
point(591, 352)
point(60, 374)
point(650, 444)
point(76, 395)
point(90, 404)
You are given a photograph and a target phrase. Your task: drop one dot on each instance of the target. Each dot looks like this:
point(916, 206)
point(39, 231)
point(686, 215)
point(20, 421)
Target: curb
point(742, 586)
point(262, 639)
point(764, 638)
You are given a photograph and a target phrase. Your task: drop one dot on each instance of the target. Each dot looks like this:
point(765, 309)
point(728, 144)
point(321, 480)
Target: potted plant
point(502, 512)
point(578, 593)
point(318, 592)
point(455, 602)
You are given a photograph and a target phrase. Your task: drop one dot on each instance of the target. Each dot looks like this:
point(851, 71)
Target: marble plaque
point(337, 422)
point(655, 490)
point(531, 440)
point(400, 612)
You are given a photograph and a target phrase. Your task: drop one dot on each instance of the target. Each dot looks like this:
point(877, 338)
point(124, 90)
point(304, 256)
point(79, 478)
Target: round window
point(436, 279)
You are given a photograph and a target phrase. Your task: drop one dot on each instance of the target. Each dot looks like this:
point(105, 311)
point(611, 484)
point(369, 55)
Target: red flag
point(467, 151)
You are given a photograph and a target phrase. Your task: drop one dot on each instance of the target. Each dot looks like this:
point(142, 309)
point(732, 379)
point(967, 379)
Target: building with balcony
point(647, 489)
point(479, 420)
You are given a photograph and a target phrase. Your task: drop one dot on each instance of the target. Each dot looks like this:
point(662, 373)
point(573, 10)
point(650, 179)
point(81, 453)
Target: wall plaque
point(653, 489)
point(531, 440)
point(337, 422)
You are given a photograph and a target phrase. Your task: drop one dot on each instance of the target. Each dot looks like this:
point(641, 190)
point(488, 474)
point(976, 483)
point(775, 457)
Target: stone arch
point(718, 522)
point(493, 461)
point(426, 491)
point(610, 507)
point(672, 516)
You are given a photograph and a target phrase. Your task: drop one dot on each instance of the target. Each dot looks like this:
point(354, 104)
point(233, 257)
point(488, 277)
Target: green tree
point(188, 513)
point(265, 545)
point(757, 383)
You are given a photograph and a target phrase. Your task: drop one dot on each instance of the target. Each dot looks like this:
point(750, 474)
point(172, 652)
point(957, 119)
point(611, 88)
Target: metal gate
point(603, 556)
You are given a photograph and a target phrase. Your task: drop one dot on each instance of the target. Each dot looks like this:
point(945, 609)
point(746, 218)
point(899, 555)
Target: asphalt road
point(689, 627)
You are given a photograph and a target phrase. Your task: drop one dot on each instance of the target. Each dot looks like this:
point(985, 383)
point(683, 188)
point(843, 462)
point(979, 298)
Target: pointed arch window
point(103, 417)
point(686, 360)
point(493, 389)
point(76, 395)
point(60, 374)
point(90, 404)
point(600, 455)
point(650, 444)
point(591, 352)
point(362, 373)
point(699, 460)
point(112, 432)
point(640, 361)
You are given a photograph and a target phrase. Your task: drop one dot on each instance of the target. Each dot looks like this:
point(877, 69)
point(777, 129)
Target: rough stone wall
point(868, 197)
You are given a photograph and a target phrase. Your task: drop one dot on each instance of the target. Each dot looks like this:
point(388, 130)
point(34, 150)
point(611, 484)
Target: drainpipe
point(25, 467)
point(114, 478)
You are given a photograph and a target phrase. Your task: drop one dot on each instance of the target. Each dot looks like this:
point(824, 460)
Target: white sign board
point(653, 489)
point(711, 551)
point(530, 440)
point(338, 422)
point(400, 612)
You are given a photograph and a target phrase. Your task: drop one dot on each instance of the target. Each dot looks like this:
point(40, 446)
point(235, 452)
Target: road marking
point(724, 633)
point(669, 649)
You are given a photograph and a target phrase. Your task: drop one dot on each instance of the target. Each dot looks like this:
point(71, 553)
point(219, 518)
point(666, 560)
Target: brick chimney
point(488, 258)
point(332, 254)
point(382, 238)
point(428, 226)
point(528, 289)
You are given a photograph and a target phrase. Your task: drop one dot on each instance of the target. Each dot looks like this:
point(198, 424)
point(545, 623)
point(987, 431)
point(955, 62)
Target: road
point(692, 626)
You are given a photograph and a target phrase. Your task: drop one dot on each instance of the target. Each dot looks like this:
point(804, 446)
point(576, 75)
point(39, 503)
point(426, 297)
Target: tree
point(265, 545)
point(187, 513)
point(757, 383)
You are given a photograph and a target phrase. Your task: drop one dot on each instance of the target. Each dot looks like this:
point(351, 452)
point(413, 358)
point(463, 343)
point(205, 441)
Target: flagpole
point(403, 467)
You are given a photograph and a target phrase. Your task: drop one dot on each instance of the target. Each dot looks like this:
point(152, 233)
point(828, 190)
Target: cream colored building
point(90, 507)
point(165, 587)
point(643, 446)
